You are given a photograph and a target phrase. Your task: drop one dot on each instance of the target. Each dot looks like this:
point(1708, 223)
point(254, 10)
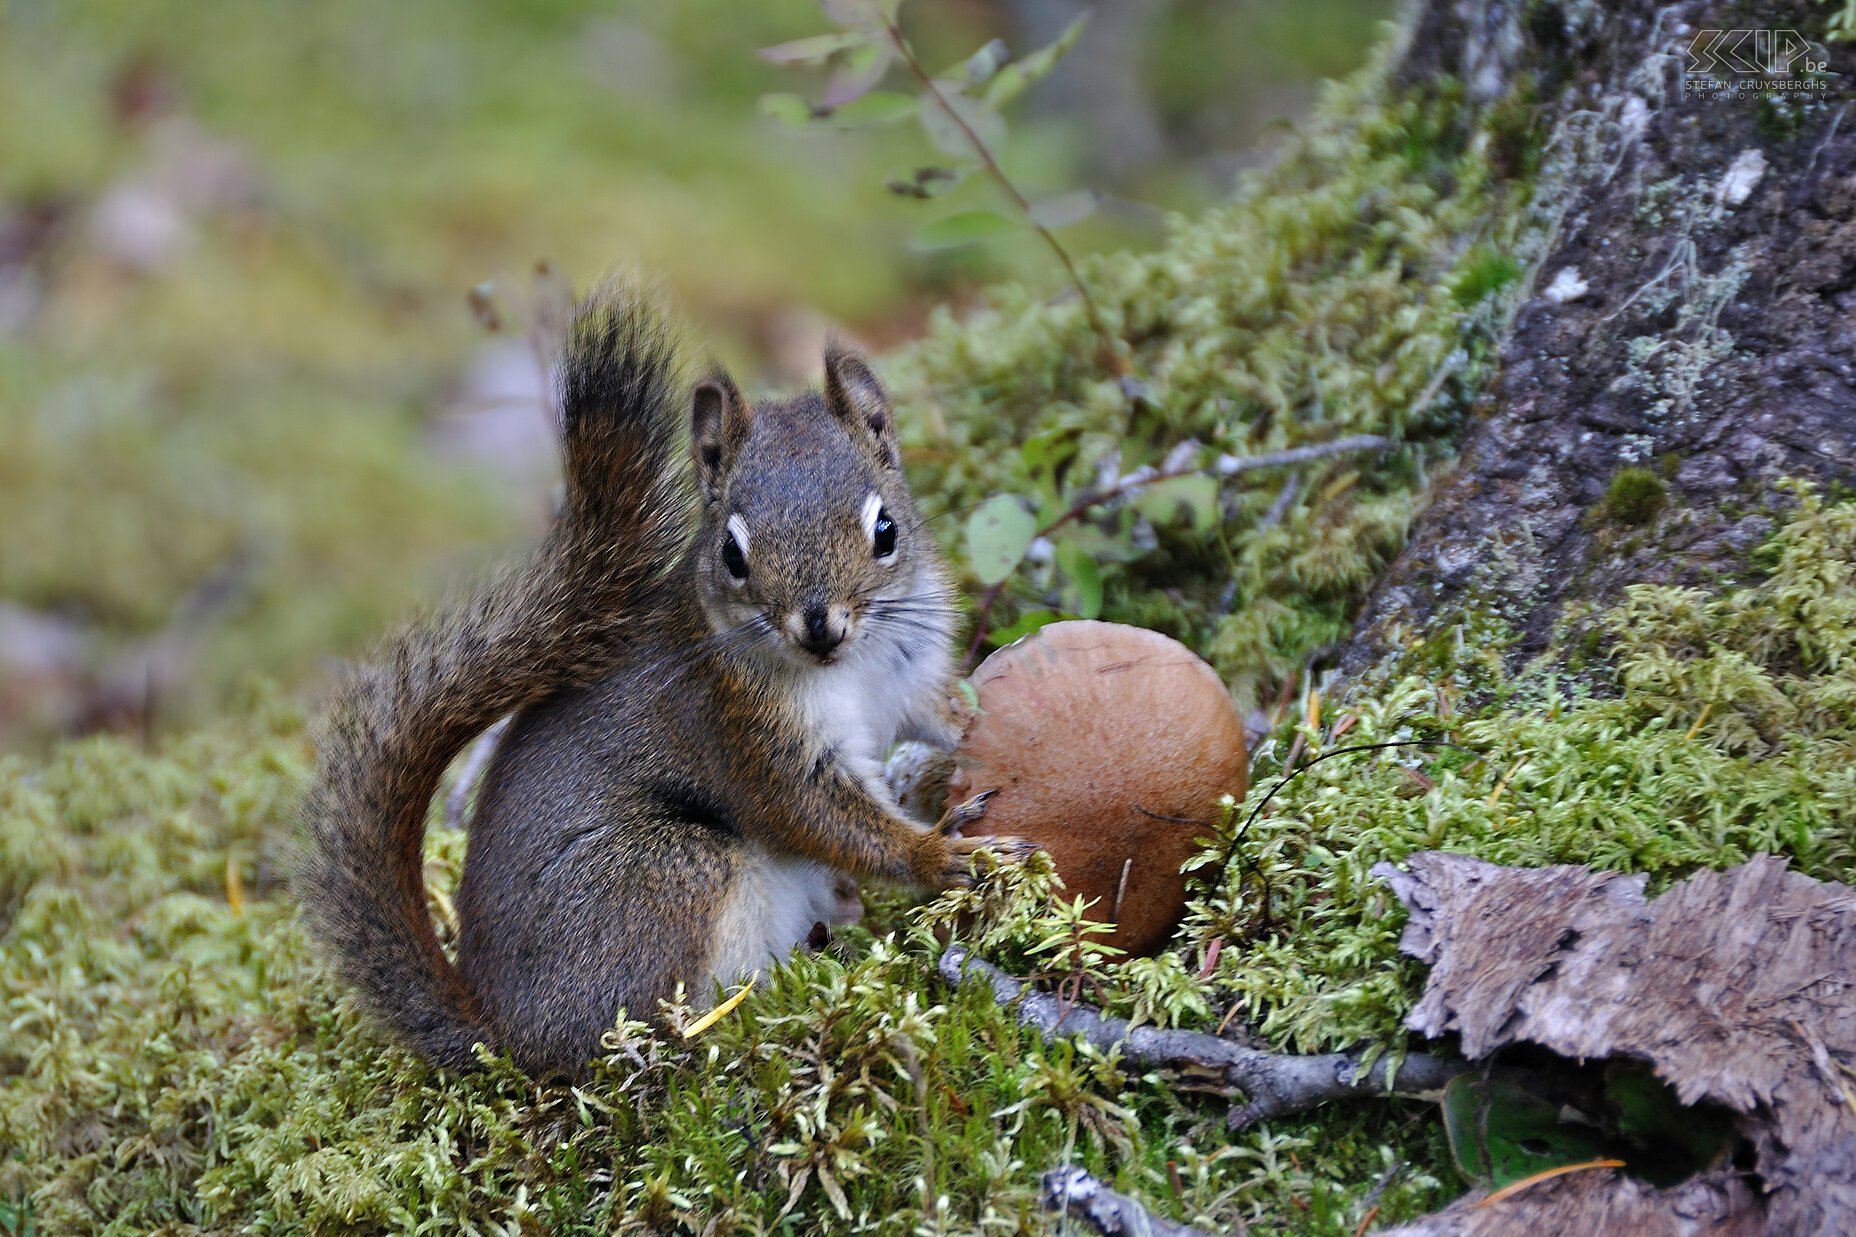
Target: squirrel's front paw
point(937, 865)
point(945, 857)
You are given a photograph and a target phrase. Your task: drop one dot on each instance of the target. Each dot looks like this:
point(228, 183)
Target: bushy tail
point(561, 619)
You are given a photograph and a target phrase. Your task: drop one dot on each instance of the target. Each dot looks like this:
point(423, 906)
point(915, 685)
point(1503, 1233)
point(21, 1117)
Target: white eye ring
point(735, 551)
point(873, 507)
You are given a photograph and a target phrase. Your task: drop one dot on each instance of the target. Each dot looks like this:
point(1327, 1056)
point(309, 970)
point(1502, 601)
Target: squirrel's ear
point(719, 424)
point(856, 398)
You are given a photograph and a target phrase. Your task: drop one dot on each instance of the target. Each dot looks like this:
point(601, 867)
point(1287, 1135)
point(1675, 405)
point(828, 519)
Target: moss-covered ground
point(174, 1059)
point(1354, 288)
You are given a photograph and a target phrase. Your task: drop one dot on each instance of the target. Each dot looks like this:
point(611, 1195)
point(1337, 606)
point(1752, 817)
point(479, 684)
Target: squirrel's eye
point(734, 559)
point(883, 532)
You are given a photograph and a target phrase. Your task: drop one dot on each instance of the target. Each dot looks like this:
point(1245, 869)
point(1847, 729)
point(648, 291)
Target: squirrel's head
point(810, 538)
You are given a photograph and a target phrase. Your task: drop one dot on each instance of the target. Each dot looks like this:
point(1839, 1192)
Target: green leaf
point(967, 228)
point(998, 533)
point(1064, 209)
point(1104, 547)
point(1500, 1132)
point(980, 67)
point(946, 130)
point(1083, 573)
point(858, 74)
point(1670, 1141)
point(929, 182)
point(1195, 497)
point(878, 107)
point(1012, 80)
point(815, 50)
point(860, 14)
point(1026, 624)
point(788, 109)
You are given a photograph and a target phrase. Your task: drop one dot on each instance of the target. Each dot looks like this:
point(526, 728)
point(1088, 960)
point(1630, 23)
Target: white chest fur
point(856, 708)
point(772, 905)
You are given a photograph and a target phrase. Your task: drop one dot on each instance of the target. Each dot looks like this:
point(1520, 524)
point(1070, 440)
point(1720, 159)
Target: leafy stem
point(1107, 353)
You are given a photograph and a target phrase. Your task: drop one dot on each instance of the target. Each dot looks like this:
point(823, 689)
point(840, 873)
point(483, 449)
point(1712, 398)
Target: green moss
point(175, 1060)
point(1353, 288)
point(1635, 497)
point(1729, 734)
point(1483, 273)
point(1514, 129)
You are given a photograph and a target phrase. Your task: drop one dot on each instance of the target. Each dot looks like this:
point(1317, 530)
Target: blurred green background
point(247, 415)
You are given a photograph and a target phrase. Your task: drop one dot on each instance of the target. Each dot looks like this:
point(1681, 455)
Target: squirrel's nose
point(821, 634)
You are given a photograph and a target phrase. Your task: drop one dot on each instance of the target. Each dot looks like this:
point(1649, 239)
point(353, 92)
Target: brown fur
point(657, 752)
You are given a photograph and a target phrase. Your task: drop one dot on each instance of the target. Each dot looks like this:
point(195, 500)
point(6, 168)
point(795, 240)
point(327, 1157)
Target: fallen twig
point(1073, 1193)
point(457, 799)
point(1273, 1084)
point(1232, 465)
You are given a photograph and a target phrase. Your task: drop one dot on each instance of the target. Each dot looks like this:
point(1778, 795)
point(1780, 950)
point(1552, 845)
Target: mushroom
point(1109, 746)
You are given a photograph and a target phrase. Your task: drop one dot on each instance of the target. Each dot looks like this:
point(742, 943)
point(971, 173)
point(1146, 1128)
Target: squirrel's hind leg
point(772, 906)
point(567, 936)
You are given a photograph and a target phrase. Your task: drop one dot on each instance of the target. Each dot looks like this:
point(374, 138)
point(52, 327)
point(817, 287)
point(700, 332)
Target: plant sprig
point(959, 112)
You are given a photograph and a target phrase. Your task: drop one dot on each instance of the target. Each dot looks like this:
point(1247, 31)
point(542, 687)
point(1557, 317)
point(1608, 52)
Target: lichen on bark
point(1692, 319)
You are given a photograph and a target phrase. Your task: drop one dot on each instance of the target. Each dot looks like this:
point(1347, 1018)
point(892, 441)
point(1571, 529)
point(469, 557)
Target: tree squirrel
point(694, 772)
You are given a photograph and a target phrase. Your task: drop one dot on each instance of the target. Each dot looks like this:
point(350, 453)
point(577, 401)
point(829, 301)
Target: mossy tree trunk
point(1687, 339)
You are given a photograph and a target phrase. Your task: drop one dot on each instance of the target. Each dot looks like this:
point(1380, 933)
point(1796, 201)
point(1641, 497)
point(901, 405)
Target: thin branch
point(982, 622)
point(1074, 1194)
point(457, 799)
point(1432, 388)
point(1105, 340)
point(1273, 1084)
point(1133, 482)
point(1232, 465)
point(1223, 466)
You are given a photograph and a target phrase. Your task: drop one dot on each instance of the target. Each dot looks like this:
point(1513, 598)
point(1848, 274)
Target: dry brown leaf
point(1733, 985)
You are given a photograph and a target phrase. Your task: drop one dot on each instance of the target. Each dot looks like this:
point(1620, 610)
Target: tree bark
point(1692, 315)
point(1727, 984)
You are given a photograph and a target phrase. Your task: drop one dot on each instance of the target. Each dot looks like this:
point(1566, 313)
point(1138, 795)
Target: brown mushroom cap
point(1100, 740)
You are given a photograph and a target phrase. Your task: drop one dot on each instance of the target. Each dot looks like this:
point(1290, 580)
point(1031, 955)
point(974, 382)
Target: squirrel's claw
point(1010, 850)
point(1007, 850)
point(959, 870)
point(964, 813)
point(945, 860)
